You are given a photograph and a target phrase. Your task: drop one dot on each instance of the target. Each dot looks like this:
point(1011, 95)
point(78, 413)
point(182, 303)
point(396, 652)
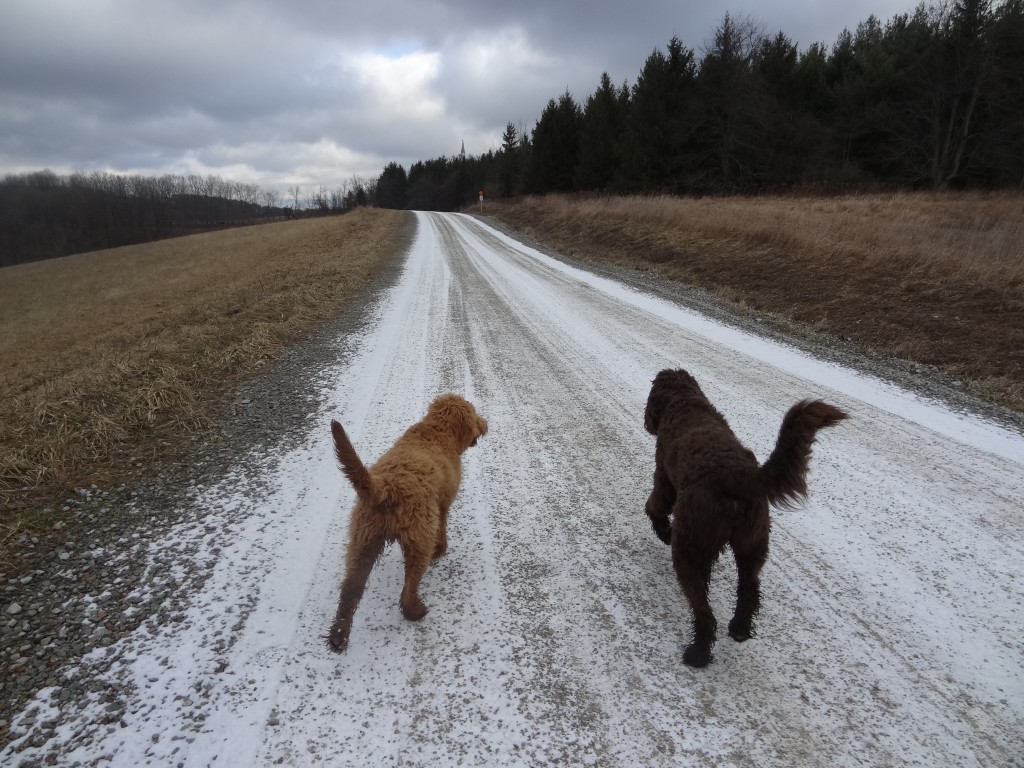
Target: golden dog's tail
point(783, 477)
point(351, 464)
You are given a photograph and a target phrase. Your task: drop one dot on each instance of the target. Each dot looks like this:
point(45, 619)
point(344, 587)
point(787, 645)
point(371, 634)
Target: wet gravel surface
point(61, 617)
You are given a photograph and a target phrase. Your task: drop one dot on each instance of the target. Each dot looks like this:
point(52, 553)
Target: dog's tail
point(351, 464)
point(783, 477)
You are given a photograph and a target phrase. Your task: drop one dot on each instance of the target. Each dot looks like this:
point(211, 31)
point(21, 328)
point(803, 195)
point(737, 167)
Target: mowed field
point(116, 359)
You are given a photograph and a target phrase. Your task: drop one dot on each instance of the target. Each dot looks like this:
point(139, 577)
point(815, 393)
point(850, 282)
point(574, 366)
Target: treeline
point(933, 98)
point(44, 215)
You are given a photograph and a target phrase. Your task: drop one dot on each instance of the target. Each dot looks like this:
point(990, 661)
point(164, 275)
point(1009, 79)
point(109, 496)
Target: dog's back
point(695, 443)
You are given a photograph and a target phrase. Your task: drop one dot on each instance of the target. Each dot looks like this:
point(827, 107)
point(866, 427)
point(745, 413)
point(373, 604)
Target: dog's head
point(460, 417)
point(667, 385)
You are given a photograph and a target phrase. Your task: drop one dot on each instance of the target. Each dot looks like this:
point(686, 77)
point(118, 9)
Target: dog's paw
point(662, 529)
point(337, 640)
point(740, 631)
point(414, 611)
point(439, 552)
point(697, 655)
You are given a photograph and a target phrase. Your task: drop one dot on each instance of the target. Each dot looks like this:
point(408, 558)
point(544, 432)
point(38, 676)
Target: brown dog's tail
point(351, 464)
point(783, 477)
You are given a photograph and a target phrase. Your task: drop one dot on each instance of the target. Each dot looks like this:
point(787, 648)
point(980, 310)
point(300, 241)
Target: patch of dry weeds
point(936, 279)
point(114, 358)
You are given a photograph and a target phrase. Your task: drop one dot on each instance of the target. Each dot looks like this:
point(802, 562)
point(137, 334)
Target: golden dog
point(404, 497)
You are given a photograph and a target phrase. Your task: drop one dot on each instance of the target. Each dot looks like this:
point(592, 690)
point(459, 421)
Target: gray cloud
point(314, 91)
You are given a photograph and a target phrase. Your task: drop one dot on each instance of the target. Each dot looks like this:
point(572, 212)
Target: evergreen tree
point(656, 153)
point(392, 187)
point(897, 147)
point(933, 97)
point(1001, 121)
point(601, 136)
point(734, 108)
point(965, 60)
point(787, 132)
point(811, 101)
point(556, 140)
point(510, 162)
point(810, 82)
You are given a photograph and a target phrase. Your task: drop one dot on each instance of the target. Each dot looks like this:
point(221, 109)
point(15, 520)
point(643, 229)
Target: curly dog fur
point(404, 497)
point(716, 494)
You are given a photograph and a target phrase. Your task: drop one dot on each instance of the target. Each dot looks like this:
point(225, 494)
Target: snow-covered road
point(891, 630)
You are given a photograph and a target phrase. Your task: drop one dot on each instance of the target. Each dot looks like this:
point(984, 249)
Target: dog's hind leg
point(693, 570)
point(659, 505)
point(362, 554)
point(751, 555)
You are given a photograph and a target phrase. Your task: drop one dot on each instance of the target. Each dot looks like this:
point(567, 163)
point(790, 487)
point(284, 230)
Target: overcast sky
point(312, 92)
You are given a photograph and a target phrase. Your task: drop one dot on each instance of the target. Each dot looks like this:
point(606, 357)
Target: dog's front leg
point(417, 558)
point(659, 505)
point(441, 548)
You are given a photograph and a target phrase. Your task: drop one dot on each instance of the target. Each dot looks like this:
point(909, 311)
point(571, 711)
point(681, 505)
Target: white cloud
point(399, 88)
point(314, 91)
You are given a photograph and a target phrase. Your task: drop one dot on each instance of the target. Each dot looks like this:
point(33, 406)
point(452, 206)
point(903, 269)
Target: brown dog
point(405, 496)
point(717, 494)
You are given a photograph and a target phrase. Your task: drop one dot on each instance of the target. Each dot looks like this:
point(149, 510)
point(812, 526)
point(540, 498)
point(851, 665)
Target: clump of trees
point(932, 98)
point(354, 193)
point(44, 215)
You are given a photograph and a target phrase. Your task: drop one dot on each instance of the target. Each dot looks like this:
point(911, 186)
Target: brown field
point(935, 279)
point(114, 358)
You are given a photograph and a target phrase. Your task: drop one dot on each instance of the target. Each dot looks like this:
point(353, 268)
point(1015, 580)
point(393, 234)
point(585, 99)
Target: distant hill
point(43, 215)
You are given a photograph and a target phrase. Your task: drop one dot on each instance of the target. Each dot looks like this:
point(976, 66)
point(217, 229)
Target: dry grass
point(976, 237)
point(932, 278)
point(117, 356)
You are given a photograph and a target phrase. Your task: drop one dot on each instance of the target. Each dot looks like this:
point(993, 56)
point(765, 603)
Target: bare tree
point(962, 30)
point(731, 100)
point(270, 198)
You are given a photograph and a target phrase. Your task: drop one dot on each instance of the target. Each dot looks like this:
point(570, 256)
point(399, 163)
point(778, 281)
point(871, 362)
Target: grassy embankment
point(935, 279)
point(115, 358)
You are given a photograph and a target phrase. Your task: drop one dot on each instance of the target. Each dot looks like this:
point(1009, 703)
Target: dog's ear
point(661, 390)
point(481, 429)
point(652, 413)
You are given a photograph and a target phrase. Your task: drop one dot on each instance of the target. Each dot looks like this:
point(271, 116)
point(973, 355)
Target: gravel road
point(182, 626)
